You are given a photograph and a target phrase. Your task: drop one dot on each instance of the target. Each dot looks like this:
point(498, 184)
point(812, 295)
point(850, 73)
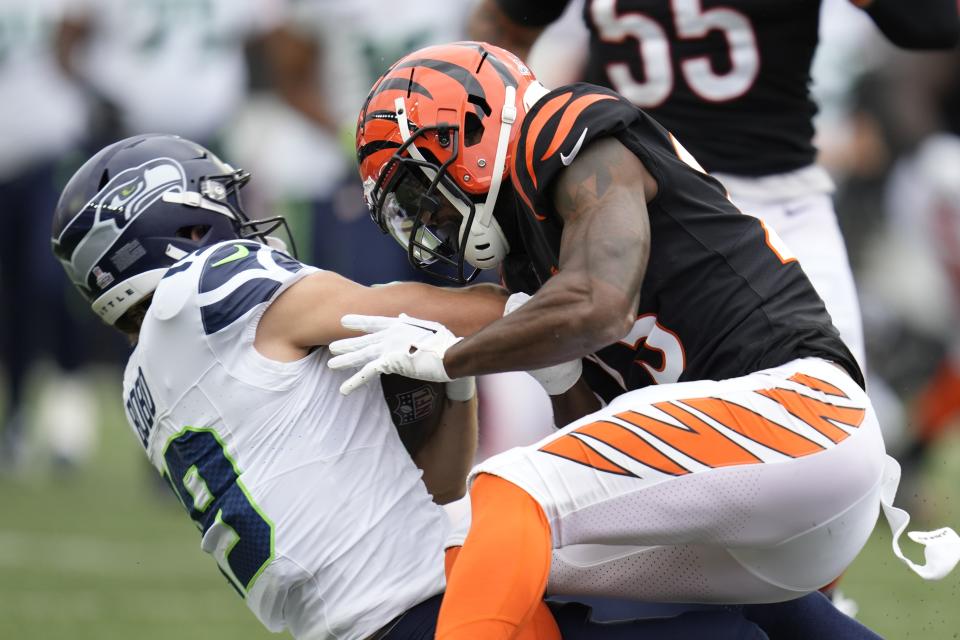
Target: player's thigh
point(660, 574)
point(743, 572)
point(750, 461)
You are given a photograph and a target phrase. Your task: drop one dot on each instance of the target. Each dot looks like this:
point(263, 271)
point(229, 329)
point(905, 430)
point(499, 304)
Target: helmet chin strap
point(485, 231)
point(485, 227)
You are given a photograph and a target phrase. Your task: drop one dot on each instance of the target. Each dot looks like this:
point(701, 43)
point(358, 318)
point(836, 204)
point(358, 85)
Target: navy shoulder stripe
point(223, 313)
point(286, 262)
point(177, 268)
point(226, 262)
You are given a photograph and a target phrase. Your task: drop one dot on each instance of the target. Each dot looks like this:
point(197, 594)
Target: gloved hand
point(558, 378)
point(406, 346)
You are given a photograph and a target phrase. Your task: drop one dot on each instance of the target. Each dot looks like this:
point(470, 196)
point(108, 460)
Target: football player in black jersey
point(730, 78)
point(737, 449)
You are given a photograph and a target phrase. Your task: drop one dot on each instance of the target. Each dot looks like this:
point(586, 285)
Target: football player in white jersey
point(295, 488)
point(306, 499)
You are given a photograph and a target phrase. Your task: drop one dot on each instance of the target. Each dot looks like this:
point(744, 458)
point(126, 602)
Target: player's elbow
point(587, 313)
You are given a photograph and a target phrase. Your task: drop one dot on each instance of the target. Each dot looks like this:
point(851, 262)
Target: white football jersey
point(305, 497)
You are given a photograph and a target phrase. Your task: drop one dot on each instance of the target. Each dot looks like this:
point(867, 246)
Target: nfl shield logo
point(413, 405)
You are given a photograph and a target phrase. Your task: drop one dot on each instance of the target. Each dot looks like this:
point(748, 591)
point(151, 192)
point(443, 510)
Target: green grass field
point(103, 555)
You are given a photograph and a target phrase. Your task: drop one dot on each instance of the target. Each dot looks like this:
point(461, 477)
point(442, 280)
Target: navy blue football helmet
point(130, 212)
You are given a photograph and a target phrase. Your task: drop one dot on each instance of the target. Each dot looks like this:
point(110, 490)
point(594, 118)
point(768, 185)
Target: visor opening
point(472, 129)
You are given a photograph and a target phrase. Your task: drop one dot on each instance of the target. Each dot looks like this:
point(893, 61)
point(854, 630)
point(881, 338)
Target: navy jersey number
point(141, 408)
point(208, 484)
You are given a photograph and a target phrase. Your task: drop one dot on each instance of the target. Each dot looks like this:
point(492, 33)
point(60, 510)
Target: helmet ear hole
point(194, 232)
point(472, 129)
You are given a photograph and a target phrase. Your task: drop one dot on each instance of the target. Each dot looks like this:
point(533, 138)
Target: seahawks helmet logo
point(99, 224)
point(132, 191)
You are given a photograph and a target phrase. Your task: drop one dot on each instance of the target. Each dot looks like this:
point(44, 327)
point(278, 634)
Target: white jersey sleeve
point(305, 498)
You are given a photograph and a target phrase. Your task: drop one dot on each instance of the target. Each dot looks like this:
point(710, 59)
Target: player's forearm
point(570, 317)
point(591, 302)
point(447, 457)
point(489, 23)
point(464, 311)
point(921, 24)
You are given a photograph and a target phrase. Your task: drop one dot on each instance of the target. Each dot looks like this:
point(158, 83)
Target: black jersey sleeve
point(920, 24)
point(530, 13)
point(559, 127)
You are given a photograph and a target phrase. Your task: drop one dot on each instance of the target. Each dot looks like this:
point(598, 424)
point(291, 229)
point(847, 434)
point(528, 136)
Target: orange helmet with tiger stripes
point(434, 140)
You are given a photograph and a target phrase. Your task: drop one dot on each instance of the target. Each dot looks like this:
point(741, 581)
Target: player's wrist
point(450, 362)
point(514, 302)
point(462, 389)
point(558, 379)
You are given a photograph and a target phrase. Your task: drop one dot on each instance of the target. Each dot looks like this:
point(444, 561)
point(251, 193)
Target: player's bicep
point(306, 315)
point(601, 198)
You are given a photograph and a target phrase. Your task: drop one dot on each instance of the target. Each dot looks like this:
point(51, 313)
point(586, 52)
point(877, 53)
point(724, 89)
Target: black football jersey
point(721, 296)
point(729, 78)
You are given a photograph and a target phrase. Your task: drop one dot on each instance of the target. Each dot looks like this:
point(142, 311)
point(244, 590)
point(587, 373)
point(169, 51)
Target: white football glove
point(406, 346)
point(556, 379)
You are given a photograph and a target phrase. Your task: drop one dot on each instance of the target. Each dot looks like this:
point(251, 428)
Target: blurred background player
point(173, 66)
point(923, 200)
point(322, 64)
point(43, 122)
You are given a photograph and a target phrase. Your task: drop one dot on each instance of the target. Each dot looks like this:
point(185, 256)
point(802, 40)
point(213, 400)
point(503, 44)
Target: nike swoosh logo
point(239, 254)
point(566, 159)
